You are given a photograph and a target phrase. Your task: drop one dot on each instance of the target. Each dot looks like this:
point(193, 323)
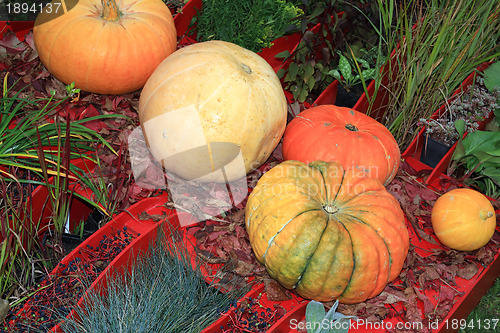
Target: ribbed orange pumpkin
point(345, 136)
point(463, 219)
point(104, 46)
point(326, 232)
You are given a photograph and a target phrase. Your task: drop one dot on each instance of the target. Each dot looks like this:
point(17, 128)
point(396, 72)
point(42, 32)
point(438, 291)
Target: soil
point(348, 98)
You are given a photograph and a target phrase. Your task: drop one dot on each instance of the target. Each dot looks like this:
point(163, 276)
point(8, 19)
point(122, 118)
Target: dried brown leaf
point(275, 291)
point(468, 271)
point(239, 216)
point(425, 236)
point(144, 216)
point(243, 268)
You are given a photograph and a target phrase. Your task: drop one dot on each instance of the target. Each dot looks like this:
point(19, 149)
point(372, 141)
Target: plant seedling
point(320, 321)
point(73, 93)
point(345, 75)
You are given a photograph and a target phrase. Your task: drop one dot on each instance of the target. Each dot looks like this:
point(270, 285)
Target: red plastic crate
point(144, 232)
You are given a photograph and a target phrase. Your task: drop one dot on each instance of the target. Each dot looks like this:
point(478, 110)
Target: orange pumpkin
point(345, 136)
point(326, 232)
point(463, 219)
point(105, 46)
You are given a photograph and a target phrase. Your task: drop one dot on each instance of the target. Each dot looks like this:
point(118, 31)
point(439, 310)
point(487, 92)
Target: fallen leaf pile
point(225, 240)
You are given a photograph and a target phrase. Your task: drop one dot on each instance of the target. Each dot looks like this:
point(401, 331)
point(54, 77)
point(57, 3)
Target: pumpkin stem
point(330, 209)
point(110, 10)
point(351, 127)
point(486, 214)
point(246, 68)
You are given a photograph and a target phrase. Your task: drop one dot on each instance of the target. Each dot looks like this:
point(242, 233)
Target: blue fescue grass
point(162, 293)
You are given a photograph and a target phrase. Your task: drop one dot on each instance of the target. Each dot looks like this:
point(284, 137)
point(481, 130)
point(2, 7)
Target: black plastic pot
point(89, 227)
point(433, 151)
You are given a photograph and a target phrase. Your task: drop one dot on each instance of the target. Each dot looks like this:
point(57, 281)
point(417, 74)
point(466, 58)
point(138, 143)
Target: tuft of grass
point(30, 142)
point(436, 44)
point(163, 292)
point(487, 311)
point(35, 151)
point(18, 240)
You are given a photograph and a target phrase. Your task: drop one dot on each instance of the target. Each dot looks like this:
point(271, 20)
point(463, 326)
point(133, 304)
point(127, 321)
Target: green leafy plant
point(478, 154)
point(492, 83)
point(307, 73)
point(480, 157)
point(346, 75)
point(73, 93)
point(320, 321)
point(249, 24)
point(492, 77)
point(312, 65)
point(304, 75)
point(305, 69)
point(163, 292)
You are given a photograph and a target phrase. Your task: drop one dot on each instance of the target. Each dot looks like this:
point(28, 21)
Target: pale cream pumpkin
point(213, 111)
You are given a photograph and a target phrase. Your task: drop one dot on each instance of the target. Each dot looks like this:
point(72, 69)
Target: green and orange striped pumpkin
point(326, 232)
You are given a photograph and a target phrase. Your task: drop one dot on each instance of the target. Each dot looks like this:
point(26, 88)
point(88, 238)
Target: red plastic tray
point(146, 230)
point(290, 306)
point(472, 290)
point(143, 231)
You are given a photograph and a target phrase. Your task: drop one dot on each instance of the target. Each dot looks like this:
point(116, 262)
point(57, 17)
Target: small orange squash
point(345, 136)
point(326, 232)
point(463, 219)
point(105, 46)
